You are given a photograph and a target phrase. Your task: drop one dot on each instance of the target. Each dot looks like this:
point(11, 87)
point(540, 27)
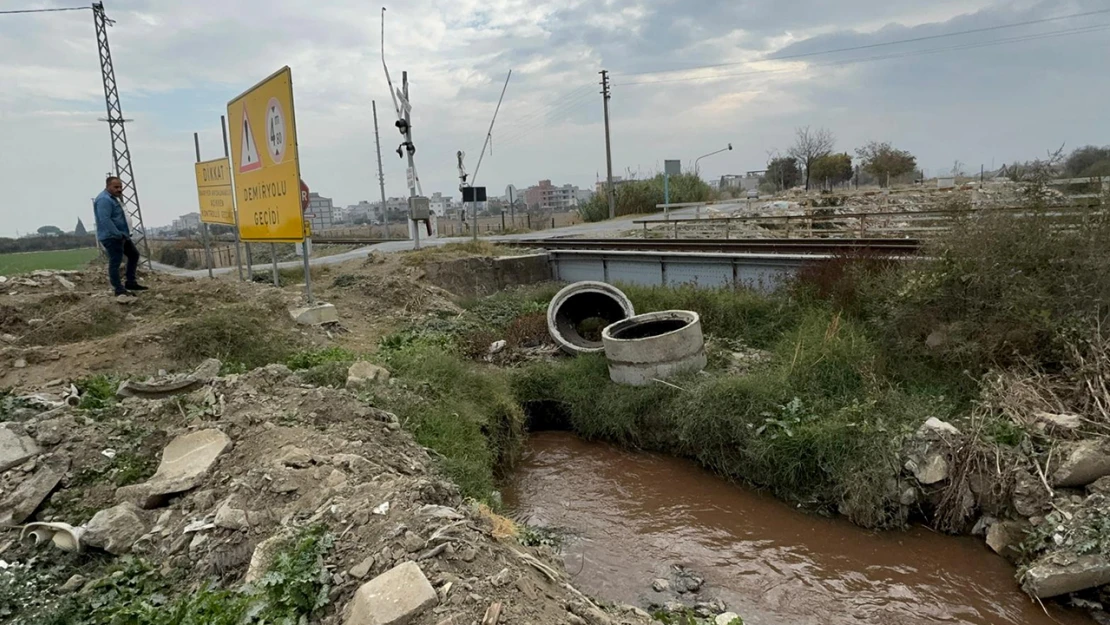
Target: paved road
point(601, 229)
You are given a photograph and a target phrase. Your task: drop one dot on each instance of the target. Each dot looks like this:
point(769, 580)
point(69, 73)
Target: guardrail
point(825, 222)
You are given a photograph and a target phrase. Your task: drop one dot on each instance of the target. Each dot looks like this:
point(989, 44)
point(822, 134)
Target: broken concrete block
point(362, 373)
point(395, 597)
point(1059, 421)
point(936, 426)
point(115, 529)
point(1084, 462)
point(1005, 538)
point(362, 569)
point(1050, 580)
point(932, 469)
point(263, 555)
point(292, 456)
point(31, 492)
point(317, 314)
point(15, 449)
point(20, 363)
point(229, 517)
point(184, 463)
point(66, 284)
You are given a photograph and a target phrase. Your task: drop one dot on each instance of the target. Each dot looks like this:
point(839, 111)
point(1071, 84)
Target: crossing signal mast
point(419, 208)
point(121, 154)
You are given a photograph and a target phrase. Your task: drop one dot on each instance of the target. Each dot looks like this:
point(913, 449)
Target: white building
point(439, 204)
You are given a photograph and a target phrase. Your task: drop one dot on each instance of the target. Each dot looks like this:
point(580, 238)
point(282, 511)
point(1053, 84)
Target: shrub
point(642, 196)
point(239, 335)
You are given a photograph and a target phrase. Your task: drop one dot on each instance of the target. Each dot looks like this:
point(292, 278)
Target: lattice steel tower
point(121, 155)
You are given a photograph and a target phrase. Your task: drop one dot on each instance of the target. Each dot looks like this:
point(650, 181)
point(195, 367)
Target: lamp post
point(710, 154)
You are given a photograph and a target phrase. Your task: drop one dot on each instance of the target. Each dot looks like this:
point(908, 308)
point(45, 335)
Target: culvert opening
point(545, 415)
point(582, 316)
point(649, 329)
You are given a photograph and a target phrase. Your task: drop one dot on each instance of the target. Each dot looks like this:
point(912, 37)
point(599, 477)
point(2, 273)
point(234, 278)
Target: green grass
point(242, 336)
point(462, 411)
point(12, 264)
point(132, 591)
point(816, 425)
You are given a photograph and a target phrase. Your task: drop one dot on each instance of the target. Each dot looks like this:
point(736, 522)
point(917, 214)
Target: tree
point(885, 162)
point(1088, 161)
point(834, 168)
point(79, 230)
point(782, 172)
point(52, 231)
point(810, 145)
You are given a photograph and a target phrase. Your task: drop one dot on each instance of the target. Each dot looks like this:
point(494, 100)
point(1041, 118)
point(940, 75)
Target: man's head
point(114, 186)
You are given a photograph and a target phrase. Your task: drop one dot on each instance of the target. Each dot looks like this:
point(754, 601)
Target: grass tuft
point(246, 336)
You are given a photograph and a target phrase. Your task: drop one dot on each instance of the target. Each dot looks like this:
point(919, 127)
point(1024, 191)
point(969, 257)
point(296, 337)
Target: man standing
point(115, 236)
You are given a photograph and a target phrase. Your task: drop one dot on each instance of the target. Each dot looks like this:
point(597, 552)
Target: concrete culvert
point(654, 346)
point(578, 313)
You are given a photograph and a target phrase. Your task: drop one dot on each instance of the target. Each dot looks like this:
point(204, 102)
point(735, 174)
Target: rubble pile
point(240, 464)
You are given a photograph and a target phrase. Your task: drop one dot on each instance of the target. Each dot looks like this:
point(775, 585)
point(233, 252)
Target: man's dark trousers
point(117, 249)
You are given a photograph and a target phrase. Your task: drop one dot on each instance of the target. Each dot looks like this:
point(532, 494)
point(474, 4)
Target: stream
point(629, 517)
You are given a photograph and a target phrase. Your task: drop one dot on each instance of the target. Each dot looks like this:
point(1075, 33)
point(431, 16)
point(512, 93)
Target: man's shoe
point(135, 286)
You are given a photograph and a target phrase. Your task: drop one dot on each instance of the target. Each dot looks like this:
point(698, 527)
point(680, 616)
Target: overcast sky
point(988, 97)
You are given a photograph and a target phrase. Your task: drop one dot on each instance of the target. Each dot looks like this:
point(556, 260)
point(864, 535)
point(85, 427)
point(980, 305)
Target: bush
point(238, 335)
point(174, 255)
point(642, 196)
point(999, 290)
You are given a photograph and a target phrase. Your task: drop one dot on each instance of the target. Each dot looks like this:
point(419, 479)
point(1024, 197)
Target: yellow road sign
point(264, 162)
point(214, 192)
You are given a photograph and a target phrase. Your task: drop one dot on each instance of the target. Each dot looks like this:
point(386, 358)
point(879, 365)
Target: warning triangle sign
point(249, 158)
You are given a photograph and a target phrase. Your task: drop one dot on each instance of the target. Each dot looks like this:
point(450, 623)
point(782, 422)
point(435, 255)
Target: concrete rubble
point(184, 462)
point(1083, 462)
point(15, 449)
point(21, 503)
point(1051, 579)
point(235, 493)
point(116, 529)
point(395, 597)
point(361, 374)
point(315, 315)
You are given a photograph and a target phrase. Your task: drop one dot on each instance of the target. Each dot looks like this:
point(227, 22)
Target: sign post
point(238, 253)
point(264, 160)
point(306, 245)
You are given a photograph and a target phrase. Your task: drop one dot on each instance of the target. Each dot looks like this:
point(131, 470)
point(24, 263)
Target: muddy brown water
point(631, 516)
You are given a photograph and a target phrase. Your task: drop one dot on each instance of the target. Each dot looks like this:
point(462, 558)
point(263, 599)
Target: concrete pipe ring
point(654, 346)
point(578, 313)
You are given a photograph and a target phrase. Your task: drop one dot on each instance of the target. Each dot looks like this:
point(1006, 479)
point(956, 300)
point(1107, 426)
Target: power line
point(541, 111)
point(968, 46)
point(45, 10)
point(879, 45)
point(564, 109)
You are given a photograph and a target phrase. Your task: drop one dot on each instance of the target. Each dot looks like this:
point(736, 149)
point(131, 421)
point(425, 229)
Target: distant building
point(188, 221)
point(320, 212)
point(439, 204)
point(547, 196)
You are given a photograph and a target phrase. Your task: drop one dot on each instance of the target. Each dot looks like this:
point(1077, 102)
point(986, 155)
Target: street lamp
point(710, 154)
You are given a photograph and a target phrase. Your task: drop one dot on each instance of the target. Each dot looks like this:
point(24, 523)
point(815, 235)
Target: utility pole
point(121, 154)
point(512, 213)
point(410, 149)
point(608, 147)
point(381, 175)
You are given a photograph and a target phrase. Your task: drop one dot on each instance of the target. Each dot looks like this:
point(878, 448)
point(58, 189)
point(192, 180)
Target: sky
point(1011, 90)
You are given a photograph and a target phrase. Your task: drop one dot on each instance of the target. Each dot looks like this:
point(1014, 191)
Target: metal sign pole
point(412, 168)
point(307, 275)
point(273, 258)
point(234, 210)
point(203, 225)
